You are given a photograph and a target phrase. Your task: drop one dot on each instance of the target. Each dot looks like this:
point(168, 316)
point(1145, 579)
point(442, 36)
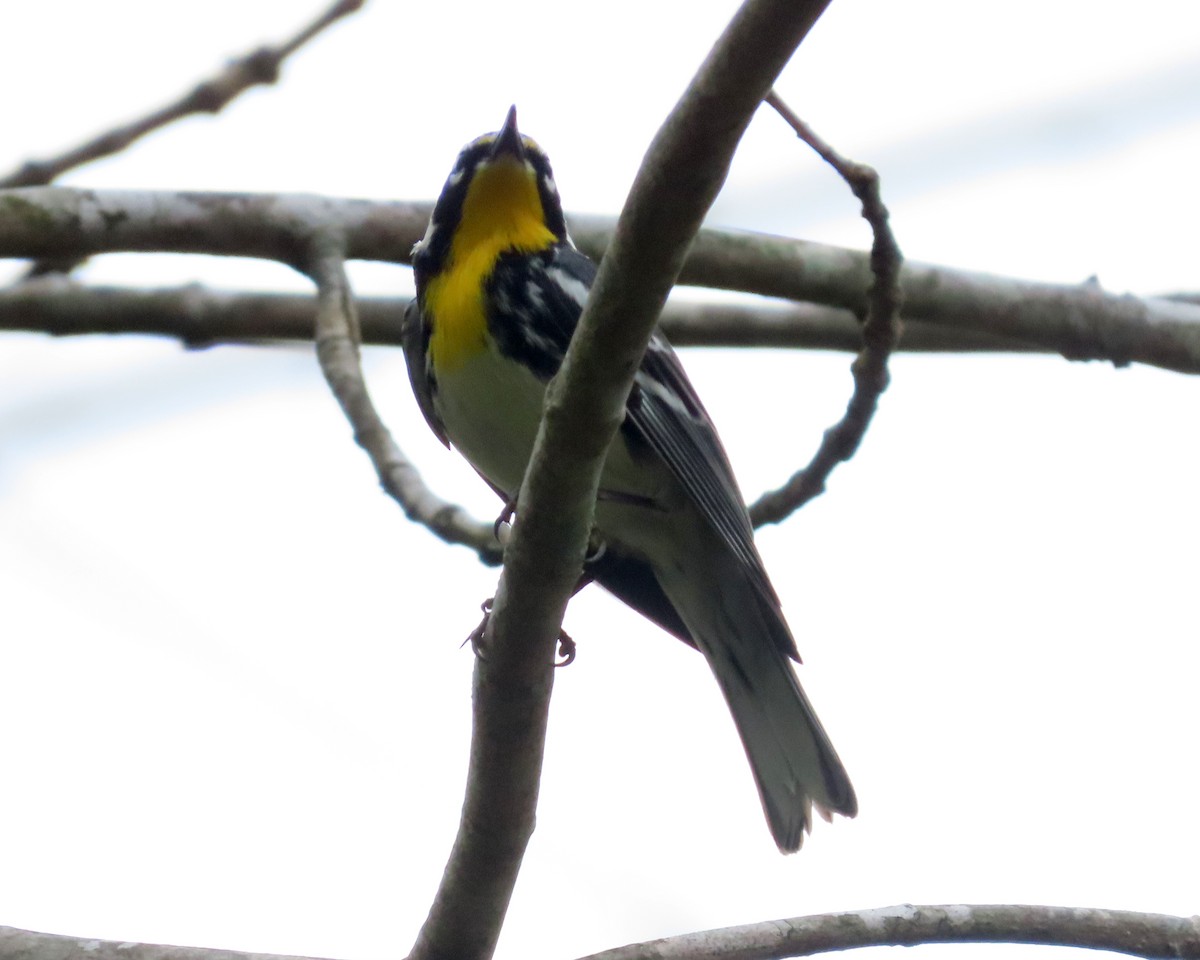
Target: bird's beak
point(508, 140)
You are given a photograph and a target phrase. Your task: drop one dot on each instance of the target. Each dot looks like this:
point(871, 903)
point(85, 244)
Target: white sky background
point(234, 710)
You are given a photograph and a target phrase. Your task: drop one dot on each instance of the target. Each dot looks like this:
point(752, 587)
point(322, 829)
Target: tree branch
point(337, 338)
point(201, 317)
point(585, 404)
point(880, 333)
point(1078, 321)
point(261, 67)
point(1121, 931)
point(18, 944)
point(1118, 931)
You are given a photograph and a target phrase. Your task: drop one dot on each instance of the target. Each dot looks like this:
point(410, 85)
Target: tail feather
point(794, 764)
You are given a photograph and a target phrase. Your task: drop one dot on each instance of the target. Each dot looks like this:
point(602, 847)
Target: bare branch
point(1118, 931)
point(1121, 931)
point(337, 338)
point(18, 944)
point(59, 221)
point(1079, 321)
point(585, 404)
point(880, 332)
point(211, 96)
point(201, 317)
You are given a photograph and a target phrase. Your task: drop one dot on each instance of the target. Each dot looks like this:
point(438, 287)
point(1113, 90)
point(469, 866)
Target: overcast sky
point(235, 711)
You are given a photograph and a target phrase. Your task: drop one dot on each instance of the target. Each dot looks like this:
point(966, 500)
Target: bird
point(500, 289)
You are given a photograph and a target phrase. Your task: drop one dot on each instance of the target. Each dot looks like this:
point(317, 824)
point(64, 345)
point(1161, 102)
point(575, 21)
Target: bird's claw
point(566, 646)
point(475, 637)
point(506, 515)
point(566, 649)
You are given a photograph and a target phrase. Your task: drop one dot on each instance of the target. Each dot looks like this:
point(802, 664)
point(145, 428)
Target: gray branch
point(881, 330)
point(1117, 931)
point(1078, 321)
point(1120, 931)
point(202, 317)
point(337, 339)
point(27, 945)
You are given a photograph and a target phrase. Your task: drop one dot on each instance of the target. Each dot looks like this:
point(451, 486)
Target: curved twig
point(337, 338)
point(1121, 931)
point(880, 333)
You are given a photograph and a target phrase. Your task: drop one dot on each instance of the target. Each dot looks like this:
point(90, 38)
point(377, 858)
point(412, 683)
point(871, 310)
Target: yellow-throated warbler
point(500, 287)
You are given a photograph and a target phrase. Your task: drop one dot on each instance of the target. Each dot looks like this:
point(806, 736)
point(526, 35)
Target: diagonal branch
point(880, 333)
point(585, 404)
point(261, 67)
point(1119, 931)
point(337, 339)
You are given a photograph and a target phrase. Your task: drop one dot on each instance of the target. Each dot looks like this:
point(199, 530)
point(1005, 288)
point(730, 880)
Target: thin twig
point(880, 333)
point(1119, 931)
point(337, 338)
point(201, 317)
point(1078, 321)
point(212, 95)
point(585, 404)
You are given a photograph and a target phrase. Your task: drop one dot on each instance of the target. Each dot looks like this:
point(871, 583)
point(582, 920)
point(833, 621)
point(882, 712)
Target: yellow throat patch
point(502, 211)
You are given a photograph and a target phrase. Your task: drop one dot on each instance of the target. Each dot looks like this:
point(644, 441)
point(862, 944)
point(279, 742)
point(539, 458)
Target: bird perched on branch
point(500, 288)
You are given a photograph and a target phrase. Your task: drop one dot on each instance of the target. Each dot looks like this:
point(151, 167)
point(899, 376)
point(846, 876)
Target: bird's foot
point(505, 517)
point(566, 649)
point(566, 646)
point(475, 637)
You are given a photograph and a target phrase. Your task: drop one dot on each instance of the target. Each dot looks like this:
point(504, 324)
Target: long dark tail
point(738, 630)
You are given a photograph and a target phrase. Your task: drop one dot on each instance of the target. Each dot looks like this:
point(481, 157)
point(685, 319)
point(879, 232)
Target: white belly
point(491, 407)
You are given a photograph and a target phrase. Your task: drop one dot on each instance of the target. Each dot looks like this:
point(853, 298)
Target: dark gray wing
point(665, 412)
point(414, 334)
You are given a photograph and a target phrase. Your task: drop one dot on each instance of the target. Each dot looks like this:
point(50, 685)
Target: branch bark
point(1078, 321)
point(880, 333)
point(337, 338)
point(201, 317)
point(1120, 931)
